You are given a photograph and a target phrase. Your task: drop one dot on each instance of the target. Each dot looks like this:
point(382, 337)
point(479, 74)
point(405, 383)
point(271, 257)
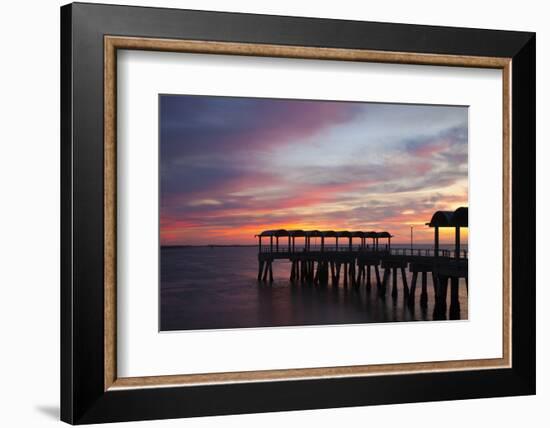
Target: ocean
point(217, 288)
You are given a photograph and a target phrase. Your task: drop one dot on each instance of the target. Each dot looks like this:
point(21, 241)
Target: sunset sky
point(232, 167)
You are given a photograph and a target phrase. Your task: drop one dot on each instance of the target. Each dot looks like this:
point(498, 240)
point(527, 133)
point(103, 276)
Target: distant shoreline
point(209, 246)
point(396, 245)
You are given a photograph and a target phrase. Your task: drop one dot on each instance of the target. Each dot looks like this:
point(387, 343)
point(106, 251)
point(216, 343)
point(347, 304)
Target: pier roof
point(324, 233)
point(461, 217)
point(456, 218)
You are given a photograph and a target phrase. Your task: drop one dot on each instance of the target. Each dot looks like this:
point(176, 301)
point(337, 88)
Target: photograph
point(293, 212)
point(273, 210)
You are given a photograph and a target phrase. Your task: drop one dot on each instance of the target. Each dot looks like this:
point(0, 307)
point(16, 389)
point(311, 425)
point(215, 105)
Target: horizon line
point(406, 244)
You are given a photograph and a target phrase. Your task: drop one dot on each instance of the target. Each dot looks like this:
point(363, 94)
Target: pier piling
point(368, 278)
point(424, 292)
point(413, 288)
point(394, 283)
point(354, 257)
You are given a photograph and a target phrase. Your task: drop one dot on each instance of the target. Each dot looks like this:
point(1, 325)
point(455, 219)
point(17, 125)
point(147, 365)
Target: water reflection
point(213, 288)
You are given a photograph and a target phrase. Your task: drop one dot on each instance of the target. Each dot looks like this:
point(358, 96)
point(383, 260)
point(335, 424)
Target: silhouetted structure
point(319, 257)
point(453, 269)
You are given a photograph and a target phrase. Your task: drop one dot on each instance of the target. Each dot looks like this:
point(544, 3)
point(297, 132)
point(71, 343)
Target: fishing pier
point(351, 258)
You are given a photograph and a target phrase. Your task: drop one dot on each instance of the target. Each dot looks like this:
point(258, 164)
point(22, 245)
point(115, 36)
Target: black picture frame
point(83, 398)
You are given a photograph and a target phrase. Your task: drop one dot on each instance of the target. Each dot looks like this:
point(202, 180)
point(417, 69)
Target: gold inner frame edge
point(113, 43)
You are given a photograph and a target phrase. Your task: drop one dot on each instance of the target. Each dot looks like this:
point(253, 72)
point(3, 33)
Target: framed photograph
point(265, 213)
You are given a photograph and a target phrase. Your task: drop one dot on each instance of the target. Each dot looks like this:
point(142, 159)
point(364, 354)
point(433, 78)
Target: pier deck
point(356, 253)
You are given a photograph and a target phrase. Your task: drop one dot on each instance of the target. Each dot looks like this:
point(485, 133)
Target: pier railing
point(383, 251)
point(427, 252)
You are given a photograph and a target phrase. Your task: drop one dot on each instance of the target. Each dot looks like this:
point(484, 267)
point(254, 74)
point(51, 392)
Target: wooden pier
point(352, 258)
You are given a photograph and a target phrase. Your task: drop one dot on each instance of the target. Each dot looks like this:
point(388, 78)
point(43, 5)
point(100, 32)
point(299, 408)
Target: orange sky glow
point(232, 167)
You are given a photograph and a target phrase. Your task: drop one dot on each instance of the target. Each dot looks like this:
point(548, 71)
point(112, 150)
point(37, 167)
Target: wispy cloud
point(231, 167)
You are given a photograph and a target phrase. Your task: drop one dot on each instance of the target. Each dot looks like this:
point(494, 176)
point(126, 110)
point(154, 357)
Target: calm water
point(213, 288)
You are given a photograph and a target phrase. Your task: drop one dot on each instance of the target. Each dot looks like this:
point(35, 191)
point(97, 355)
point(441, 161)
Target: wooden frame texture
point(113, 43)
point(91, 391)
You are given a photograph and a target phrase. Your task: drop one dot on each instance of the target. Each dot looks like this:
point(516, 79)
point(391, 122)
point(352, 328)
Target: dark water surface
point(216, 287)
